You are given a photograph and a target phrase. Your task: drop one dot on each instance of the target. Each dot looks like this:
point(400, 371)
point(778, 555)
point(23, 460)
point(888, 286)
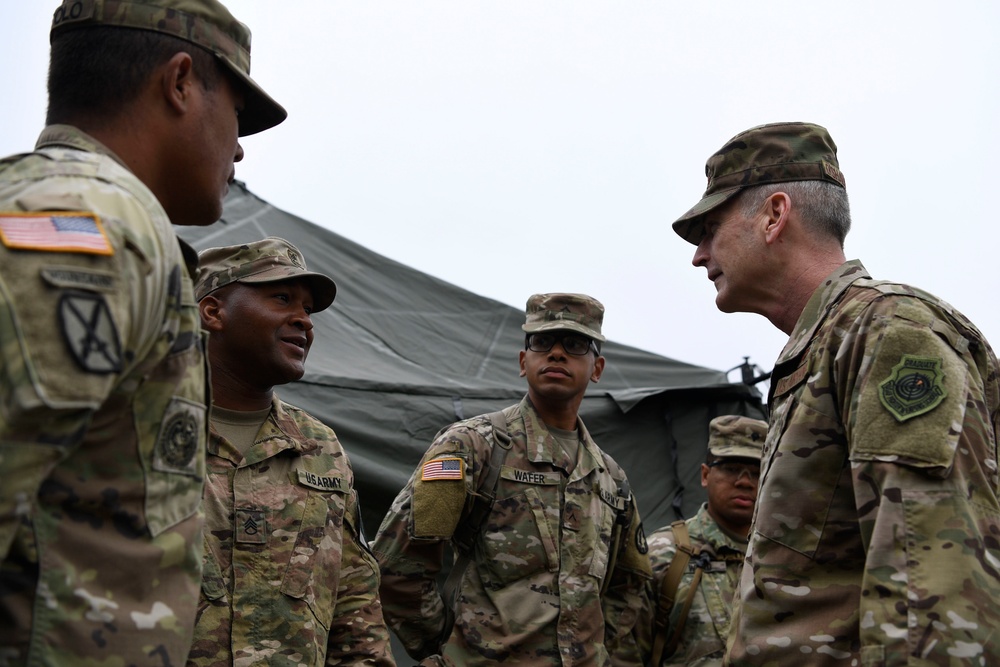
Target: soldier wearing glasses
point(557, 565)
point(696, 563)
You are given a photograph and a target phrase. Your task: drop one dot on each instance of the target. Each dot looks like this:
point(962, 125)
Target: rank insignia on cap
point(913, 388)
point(55, 232)
point(442, 468)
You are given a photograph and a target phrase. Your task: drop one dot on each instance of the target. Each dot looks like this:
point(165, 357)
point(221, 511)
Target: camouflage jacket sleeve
point(626, 591)
point(882, 439)
point(411, 543)
point(358, 634)
point(102, 413)
point(49, 387)
point(923, 457)
point(662, 549)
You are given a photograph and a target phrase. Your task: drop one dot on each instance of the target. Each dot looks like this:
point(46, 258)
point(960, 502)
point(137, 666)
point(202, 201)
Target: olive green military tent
point(401, 354)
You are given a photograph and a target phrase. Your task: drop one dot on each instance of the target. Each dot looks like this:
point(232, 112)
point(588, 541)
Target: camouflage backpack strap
point(668, 593)
point(465, 535)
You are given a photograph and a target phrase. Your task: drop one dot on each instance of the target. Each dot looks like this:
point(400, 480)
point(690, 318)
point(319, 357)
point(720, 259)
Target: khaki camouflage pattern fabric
point(266, 261)
point(876, 535)
point(564, 312)
point(205, 23)
point(103, 425)
point(736, 436)
point(772, 153)
point(703, 641)
point(532, 594)
point(288, 578)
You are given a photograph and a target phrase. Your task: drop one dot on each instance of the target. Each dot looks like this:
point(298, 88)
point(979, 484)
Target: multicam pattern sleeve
point(102, 415)
point(876, 529)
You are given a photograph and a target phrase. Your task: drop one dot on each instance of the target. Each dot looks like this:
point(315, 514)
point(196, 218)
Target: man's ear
point(598, 369)
point(177, 81)
point(520, 360)
point(777, 208)
point(210, 309)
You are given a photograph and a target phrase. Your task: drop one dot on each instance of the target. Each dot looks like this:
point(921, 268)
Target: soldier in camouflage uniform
point(875, 538)
point(289, 579)
point(103, 385)
point(688, 610)
point(547, 581)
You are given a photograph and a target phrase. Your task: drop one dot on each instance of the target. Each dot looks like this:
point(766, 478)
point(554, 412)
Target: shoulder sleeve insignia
point(181, 433)
point(913, 388)
point(450, 467)
point(90, 333)
point(55, 232)
point(640, 540)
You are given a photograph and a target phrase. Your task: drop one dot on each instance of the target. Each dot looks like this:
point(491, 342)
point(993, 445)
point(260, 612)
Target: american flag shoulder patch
point(445, 467)
point(55, 231)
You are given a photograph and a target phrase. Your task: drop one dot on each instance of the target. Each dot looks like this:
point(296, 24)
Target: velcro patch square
point(443, 468)
point(55, 232)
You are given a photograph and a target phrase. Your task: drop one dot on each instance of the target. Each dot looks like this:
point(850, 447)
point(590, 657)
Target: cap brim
point(729, 451)
point(563, 325)
point(690, 226)
point(738, 452)
point(260, 111)
point(323, 289)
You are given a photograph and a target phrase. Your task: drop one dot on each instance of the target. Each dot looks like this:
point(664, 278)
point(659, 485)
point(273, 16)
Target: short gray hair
point(824, 206)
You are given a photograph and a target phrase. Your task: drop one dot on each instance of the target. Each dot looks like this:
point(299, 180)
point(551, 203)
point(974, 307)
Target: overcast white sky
point(520, 146)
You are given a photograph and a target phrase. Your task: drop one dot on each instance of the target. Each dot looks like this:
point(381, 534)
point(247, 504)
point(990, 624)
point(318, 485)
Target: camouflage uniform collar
point(279, 433)
point(825, 296)
point(541, 447)
point(68, 136)
point(703, 528)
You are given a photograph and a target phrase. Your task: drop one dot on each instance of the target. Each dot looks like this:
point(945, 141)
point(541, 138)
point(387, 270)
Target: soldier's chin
point(724, 305)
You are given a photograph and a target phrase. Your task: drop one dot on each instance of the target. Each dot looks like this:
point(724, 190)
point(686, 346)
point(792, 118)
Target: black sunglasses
point(733, 470)
point(573, 344)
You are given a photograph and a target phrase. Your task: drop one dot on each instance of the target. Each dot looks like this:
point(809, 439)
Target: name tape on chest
point(443, 468)
point(321, 482)
point(531, 476)
point(613, 499)
point(55, 232)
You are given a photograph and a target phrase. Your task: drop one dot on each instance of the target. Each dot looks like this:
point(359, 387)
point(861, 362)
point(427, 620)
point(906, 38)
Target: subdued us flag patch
point(442, 468)
point(55, 232)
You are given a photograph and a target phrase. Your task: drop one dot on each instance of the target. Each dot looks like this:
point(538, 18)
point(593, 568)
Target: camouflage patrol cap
point(573, 312)
point(205, 23)
point(774, 153)
point(733, 436)
point(265, 261)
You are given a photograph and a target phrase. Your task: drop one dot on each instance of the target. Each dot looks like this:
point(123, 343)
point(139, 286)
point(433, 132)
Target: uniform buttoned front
point(290, 562)
point(533, 590)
